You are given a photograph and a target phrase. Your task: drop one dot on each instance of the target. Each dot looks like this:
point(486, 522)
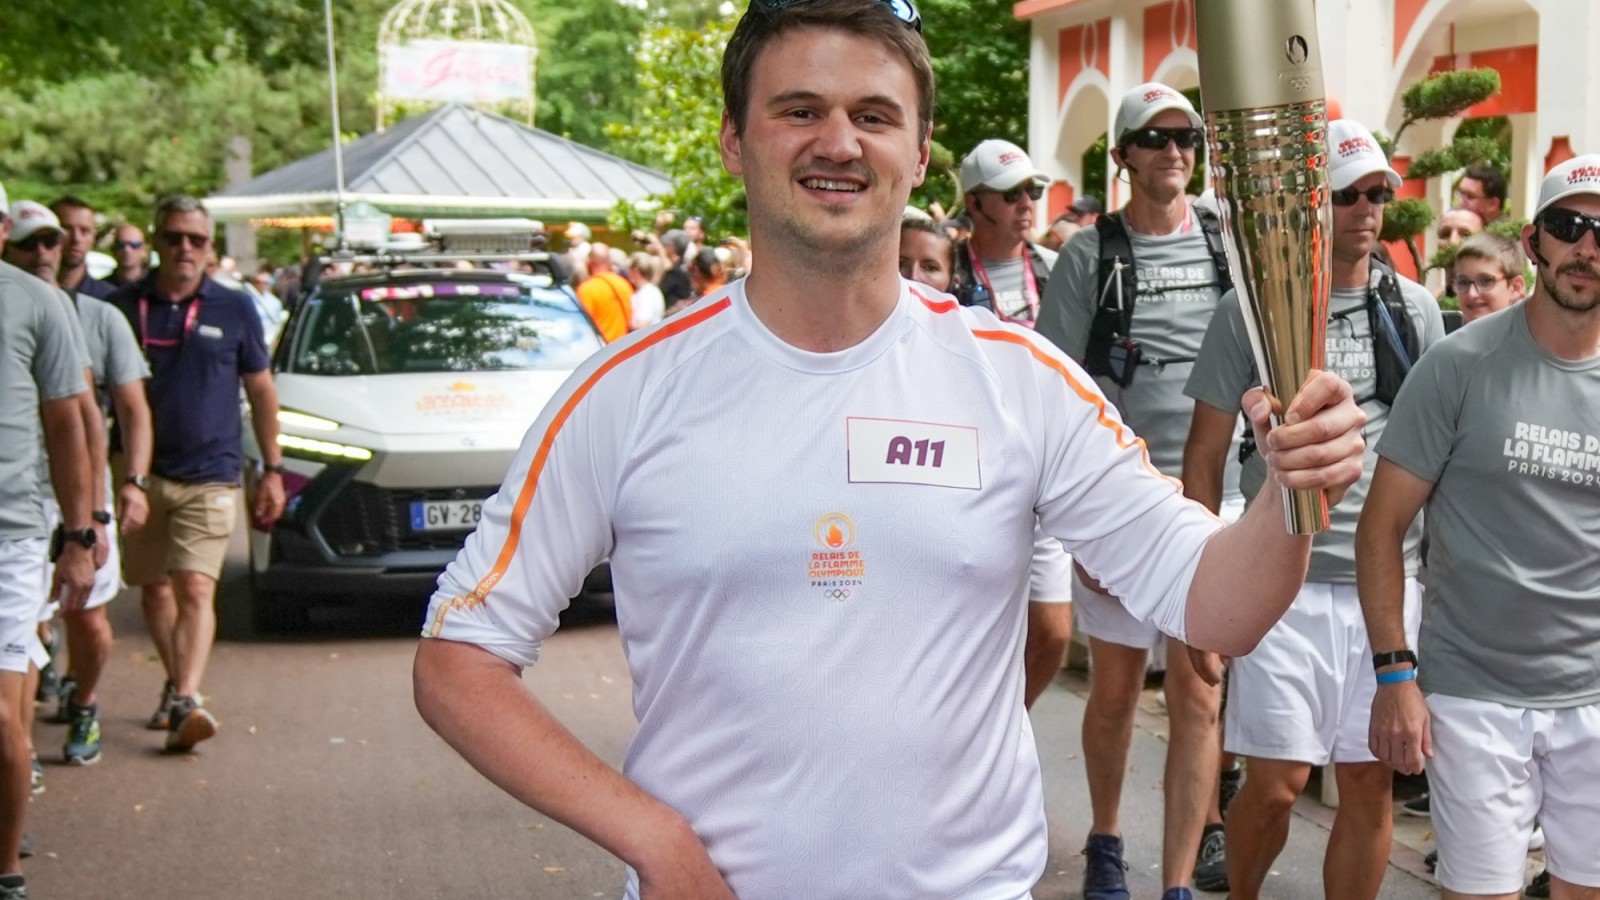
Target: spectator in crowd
point(42, 389)
point(117, 371)
point(1500, 693)
point(203, 342)
point(927, 254)
point(959, 226)
point(663, 222)
point(605, 295)
point(1131, 298)
point(804, 627)
point(1457, 224)
point(78, 222)
point(129, 249)
point(1489, 275)
point(577, 253)
point(1483, 190)
point(1303, 697)
point(1060, 231)
point(268, 307)
point(999, 268)
point(649, 306)
point(1085, 211)
point(695, 228)
point(675, 284)
point(706, 273)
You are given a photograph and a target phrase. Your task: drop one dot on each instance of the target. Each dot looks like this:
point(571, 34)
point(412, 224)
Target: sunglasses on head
point(1157, 138)
point(49, 240)
point(179, 238)
point(900, 9)
point(127, 245)
point(1377, 195)
point(1033, 189)
point(1568, 226)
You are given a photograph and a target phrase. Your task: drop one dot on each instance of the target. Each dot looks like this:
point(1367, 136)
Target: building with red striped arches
point(1086, 53)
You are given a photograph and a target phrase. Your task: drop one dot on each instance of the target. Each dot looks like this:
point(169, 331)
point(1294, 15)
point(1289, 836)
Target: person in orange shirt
point(605, 295)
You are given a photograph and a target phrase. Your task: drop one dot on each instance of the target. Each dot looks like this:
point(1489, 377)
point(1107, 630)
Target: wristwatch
point(275, 468)
point(1379, 660)
point(101, 516)
point(142, 482)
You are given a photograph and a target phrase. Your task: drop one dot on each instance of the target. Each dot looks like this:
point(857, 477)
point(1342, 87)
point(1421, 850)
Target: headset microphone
point(1533, 241)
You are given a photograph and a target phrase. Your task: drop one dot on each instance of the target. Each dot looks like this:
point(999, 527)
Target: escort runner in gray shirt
point(39, 360)
point(1177, 293)
point(1007, 281)
point(1509, 435)
point(1226, 369)
point(114, 359)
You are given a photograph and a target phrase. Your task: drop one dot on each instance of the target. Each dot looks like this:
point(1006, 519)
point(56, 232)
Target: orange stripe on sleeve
point(508, 550)
point(1124, 438)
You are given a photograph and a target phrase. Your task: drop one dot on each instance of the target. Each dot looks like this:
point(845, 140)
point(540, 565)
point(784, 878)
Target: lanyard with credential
point(1030, 287)
point(189, 320)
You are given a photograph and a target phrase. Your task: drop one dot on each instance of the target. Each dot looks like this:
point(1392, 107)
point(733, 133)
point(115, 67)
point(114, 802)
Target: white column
point(1044, 68)
point(1569, 75)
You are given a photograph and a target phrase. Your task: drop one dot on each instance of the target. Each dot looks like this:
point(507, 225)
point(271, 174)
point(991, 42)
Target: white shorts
point(1105, 618)
point(107, 579)
point(1050, 573)
point(1305, 693)
point(22, 564)
point(1495, 769)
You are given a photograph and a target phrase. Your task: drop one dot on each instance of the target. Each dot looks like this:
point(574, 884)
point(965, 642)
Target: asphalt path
point(324, 783)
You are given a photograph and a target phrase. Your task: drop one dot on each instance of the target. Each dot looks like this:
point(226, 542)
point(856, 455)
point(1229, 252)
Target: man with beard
point(817, 488)
point(1497, 433)
point(77, 221)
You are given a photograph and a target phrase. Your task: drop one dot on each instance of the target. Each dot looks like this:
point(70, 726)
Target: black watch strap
point(1393, 657)
point(276, 468)
point(101, 516)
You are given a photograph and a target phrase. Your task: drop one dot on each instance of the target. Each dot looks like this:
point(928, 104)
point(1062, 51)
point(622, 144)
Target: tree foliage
point(980, 64)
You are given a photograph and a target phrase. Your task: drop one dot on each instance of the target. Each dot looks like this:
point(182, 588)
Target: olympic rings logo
point(837, 594)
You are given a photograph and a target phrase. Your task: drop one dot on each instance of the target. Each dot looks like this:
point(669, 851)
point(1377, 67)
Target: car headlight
point(320, 450)
point(305, 421)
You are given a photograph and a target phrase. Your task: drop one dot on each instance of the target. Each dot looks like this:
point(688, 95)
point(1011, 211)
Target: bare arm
point(1399, 734)
point(1250, 571)
point(69, 472)
point(263, 395)
point(94, 432)
point(510, 737)
point(1205, 454)
point(133, 414)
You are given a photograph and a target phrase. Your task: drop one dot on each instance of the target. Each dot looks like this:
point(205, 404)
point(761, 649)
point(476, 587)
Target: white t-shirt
point(820, 563)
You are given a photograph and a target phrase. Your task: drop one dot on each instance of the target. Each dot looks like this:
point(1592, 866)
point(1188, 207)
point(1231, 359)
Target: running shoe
point(1103, 877)
point(1178, 893)
point(1232, 780)
point(38, 778)
point(83, 736)
point(49, 678)
point(1536, 840)
point(1211, 866)
point(64, 704)
point(1417, 806)
point(13, 887)
point(1431, 860)
point(25, 849)
point(1540, 886)
point(162, 720)
point(190, 724)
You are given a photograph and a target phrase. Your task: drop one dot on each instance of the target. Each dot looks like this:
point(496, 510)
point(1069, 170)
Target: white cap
point(1147, 101)
point(578, 231)
point(914, 213)
point(1578, 175)
point(998, 166)
point(29, 218)
point(1353, 154)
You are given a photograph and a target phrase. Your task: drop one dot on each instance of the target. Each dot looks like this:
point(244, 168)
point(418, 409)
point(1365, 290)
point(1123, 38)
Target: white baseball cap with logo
point(1353, 154)
point(1147, 101)
point(29, 218)
point(998, 166)
point(1578, 175)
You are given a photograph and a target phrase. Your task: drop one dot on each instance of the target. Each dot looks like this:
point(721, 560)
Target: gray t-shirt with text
point(1009, 283)
point(1509, 436)
point(114, 357)
point(1178, 289)
point(1226, 369)
point(41, 359)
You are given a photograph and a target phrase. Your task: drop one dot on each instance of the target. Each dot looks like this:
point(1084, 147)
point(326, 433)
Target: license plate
point(445, 515)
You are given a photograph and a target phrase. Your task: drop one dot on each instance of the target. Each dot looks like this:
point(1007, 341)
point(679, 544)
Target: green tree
point(980, 63)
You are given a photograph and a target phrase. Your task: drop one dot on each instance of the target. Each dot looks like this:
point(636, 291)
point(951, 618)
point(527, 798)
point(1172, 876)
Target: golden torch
point(1266, 126)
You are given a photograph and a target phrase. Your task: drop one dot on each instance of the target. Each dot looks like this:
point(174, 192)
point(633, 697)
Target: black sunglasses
point(1158, 138)
point(127, 245)
point(1033, 189)
point(49, 240)
point(901, 9)
point(179, 238)
point(1377, 195)
point(1568, 226)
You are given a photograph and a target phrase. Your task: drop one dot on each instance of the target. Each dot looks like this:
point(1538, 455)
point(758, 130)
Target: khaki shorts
point(188, 531)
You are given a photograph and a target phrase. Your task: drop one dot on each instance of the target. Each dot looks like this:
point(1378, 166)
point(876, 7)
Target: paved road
point(324, 783)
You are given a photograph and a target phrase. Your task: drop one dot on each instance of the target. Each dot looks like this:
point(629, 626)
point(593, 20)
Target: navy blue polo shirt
point(94, 287)
point(198, 349)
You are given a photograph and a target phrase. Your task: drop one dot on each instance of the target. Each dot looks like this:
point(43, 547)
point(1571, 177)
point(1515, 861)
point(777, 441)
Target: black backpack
point(1112, 349)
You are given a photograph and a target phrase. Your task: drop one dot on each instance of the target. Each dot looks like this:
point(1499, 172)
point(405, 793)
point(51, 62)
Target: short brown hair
point(1496, 250)
point(759, 26)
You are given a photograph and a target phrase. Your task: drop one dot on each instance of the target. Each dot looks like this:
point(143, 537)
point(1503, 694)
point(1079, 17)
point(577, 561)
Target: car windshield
point(440, 326)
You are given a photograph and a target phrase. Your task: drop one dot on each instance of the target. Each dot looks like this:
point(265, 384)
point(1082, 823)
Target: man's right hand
point(74, 577)
point(1400, 735)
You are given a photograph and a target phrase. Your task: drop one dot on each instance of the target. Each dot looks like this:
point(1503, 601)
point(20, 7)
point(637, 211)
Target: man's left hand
point(1319, 445)
point(269, 499)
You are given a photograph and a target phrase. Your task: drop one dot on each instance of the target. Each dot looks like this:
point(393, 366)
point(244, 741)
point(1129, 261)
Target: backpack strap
point(1116, 289)
point(1386, 306)
point(1211, 227)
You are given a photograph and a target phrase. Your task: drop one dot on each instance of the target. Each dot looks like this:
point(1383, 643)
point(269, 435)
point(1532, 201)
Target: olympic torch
point(1266, 126)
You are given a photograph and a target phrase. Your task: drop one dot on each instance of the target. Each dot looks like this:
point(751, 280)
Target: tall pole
point(338, 139)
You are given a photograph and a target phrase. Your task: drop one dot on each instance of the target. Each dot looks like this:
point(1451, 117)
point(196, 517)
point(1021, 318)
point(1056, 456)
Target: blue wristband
point(1397, 676)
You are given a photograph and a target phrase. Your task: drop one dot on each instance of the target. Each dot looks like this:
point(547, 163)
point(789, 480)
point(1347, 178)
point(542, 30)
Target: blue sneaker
point(1178, 893)
point(1103, 877)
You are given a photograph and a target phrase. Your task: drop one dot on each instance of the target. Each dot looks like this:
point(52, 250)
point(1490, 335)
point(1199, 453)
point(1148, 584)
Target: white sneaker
point(1536, 842)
